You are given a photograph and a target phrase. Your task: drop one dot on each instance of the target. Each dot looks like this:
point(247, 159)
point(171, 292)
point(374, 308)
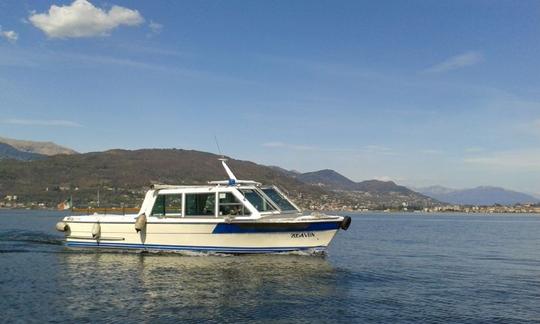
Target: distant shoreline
point(119, 209)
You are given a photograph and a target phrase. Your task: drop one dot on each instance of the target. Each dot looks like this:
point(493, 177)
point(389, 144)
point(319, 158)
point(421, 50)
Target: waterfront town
point(13, 202)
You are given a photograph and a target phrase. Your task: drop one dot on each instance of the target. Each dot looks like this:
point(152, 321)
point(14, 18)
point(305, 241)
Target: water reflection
point(175, 287)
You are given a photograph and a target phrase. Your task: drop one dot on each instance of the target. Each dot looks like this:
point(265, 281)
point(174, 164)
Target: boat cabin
point(241, 200)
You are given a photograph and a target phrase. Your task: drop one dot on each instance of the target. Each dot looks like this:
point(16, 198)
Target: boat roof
point(232, 182)
point(211, 184)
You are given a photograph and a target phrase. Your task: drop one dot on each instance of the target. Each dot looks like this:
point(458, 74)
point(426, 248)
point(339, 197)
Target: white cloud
point(432, 151)
point(290, 146)
point(83, 19)
point(41, 122)
point(457, 62)
point(368, 149)
point(387, 178)
point(155, 27)
point(17, 57)
point(535, 126)
point(474, 149)
point(300, 147)
point(10, 35)
point(516, 160)
point(529, 127)
point(378, 149)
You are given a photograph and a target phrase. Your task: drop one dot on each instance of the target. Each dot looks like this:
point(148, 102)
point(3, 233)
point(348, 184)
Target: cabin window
point(257, 200)
point(168, 205)
point(230, 206)
point(201, 204)
point(279, 199)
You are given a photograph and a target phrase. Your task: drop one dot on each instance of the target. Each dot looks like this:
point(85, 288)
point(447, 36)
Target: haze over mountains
point(483, 195)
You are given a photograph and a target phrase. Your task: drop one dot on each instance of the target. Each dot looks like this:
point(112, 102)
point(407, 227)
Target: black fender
point(345, 223)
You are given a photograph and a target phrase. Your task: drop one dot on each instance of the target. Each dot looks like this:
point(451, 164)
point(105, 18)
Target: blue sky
point(420, 92)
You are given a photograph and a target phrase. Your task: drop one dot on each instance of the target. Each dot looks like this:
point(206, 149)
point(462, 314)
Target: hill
point(481, 196)
point(43, 148)
point(327, 178)
point(124, 176)
point(9, 152)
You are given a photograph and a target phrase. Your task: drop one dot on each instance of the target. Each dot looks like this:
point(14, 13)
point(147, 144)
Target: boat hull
point(248, 237)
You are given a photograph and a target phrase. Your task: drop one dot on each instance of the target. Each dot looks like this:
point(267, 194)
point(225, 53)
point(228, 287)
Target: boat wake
point(31, 237)
point(311, 252)
point(19, 241)
point(187, 253)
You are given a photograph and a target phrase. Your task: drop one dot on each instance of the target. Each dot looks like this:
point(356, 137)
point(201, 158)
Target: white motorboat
point(231, 216)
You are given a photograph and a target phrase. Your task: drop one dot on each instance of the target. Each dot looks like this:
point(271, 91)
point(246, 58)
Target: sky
point(418, 92)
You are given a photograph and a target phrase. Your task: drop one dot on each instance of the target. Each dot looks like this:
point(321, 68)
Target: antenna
point(219, 148)
point(232, 177)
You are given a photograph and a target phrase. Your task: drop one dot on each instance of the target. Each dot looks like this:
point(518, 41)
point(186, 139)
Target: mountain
point(482, 196)
point(383, 186)
point(335, 181)
point(327, 178)
point(43, 148)
point(369, 193)
point(9, 152)
point(290, 173)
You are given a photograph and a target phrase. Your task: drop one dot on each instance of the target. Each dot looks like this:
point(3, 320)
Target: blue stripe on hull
point(236, 228)
point(192, 248)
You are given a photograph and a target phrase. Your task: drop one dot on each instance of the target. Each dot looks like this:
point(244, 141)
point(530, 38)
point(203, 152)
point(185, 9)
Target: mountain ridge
point(337, 181)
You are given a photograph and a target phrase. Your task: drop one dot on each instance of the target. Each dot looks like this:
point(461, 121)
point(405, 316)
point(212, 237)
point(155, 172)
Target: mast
point(232, 177)
point(232, 181)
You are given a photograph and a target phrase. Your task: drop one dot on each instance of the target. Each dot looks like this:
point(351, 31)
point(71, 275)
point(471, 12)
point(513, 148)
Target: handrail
point(105, 210)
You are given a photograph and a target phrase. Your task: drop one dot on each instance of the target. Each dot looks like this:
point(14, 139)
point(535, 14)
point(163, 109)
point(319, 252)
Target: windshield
point(279, 199)
point(257, 200)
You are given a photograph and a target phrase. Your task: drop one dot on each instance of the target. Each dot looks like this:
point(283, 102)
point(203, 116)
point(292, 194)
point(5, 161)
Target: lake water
point(386, 268)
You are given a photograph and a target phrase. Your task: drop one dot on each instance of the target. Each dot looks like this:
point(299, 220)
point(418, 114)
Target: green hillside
point(123, 176)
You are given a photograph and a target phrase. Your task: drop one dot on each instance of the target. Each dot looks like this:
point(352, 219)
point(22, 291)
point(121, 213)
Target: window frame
point(285, 211)
point(215, 215)
point(241, 201)
point(275, 208)
point(164, 215)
